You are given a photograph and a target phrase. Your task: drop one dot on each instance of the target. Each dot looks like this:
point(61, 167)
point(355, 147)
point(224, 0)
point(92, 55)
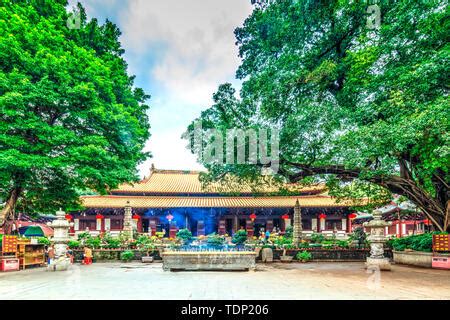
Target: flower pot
point(147, 259)
point(267, 255)
point(286, 258)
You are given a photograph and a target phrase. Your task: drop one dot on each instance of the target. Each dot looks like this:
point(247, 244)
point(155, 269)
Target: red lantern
point(99, 216)
point(136, 217)
point(352, 216)
point(169, 217)
point(285, 217)
point(427, 222)
point(68, 217)
point(322, 216)
point(253, 217)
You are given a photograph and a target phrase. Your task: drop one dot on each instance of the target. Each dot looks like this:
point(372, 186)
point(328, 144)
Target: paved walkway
point(274, 281)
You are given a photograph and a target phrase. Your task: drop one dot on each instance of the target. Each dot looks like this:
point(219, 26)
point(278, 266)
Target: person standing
point(69, 253)
point(87, 256)
point(51, 254)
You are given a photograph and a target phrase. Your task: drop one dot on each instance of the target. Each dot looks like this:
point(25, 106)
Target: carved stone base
point(382, 264)
point(61, 264)
point(147, 259)
point(267, 255)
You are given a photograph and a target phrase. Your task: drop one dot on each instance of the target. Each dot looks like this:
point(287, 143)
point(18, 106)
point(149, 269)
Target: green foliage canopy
point(365, 109)
point(70, 116)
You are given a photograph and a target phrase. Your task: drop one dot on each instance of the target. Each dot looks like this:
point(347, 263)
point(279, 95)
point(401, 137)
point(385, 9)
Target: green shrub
point(145, 244)
point(304, 245)
point(83, 236)
point(184, 235)
point(44, 240)
point(342, 244)
point(289, 232)
point(281, 241)
point(315, 245)
point(142, 240)
point(73, 244)
point(112, 243)
point(93, 242)
point(421, 242)
point(317, 238)
point(127, 255)
point(239, 237)
point(303, 256)
point(358, 235)
point(215, 240)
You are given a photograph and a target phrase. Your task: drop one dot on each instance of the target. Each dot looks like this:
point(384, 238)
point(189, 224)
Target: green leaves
point(352, 103)
point(70, 116)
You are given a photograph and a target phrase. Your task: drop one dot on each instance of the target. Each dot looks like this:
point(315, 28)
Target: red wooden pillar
point(269, 225)
point(222, 227)
point(152, 227)
point(137, 219)
point(200, 228)
point(173, 230)
point(100, 221)
point(249, 228)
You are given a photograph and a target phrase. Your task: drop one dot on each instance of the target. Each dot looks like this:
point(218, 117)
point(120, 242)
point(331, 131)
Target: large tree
point(365, 108)
point(71, 118)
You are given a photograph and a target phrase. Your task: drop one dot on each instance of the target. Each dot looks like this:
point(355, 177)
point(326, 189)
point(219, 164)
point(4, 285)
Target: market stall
point(8, 255)
point(30, 254)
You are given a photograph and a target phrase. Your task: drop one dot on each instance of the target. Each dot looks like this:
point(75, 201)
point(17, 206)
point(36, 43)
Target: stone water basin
point(209, 260)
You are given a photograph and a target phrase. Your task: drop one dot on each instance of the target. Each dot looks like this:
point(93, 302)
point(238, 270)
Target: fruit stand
point(30, 254)
point(8, 257)
point(441, 246)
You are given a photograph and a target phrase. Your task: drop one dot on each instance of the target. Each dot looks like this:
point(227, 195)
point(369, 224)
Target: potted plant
point(267, 253)
point(145, 246)
point(239, 238)
point(284, 257)
point(215, 241)
point(127, 256)
point(185, 236)
point(303, 256)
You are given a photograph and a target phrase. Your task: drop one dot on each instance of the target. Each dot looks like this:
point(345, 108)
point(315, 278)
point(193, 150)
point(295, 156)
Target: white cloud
point(169, 153)
point(198, 39)
point(180, 51)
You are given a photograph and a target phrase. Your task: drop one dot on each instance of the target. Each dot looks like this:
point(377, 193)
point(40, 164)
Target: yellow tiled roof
point(187, 182)
point(209, 202)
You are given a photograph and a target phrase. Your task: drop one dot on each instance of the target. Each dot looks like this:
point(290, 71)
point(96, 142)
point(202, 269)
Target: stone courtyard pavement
point(269, 281)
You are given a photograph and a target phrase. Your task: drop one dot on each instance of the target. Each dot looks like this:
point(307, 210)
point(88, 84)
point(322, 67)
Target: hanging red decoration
point(136, 217)
point(322, 216)
point(426, 221)
point(253, 217)
point(68, 217)
point(352, 215)
point(99, 216)
point(285, 217)
point(169, 217)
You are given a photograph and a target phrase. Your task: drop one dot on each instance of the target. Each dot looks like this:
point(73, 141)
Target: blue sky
point(180, 51)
